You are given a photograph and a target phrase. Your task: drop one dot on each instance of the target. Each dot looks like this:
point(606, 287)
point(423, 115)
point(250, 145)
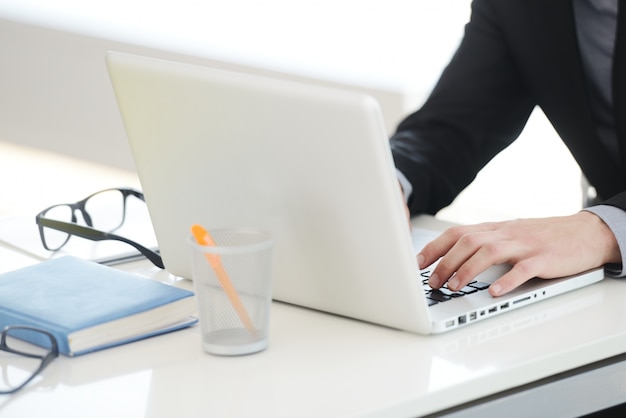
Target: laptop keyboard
point(434, 296)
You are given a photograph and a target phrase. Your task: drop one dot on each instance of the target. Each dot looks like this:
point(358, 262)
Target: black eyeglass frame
point(89, 232)
point(46, 359)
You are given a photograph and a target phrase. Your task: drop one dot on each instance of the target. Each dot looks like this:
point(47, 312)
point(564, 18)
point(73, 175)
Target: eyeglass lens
point(103, 211)
point(106, 210)
point(19, 360)
point(55, 239)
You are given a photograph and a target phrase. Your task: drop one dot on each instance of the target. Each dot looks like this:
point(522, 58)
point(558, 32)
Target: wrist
point(602, 236)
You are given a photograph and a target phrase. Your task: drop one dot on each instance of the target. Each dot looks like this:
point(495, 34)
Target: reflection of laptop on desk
point(312, 165)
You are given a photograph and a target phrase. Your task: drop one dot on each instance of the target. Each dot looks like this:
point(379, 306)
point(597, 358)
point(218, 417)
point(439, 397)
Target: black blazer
point(515, 54)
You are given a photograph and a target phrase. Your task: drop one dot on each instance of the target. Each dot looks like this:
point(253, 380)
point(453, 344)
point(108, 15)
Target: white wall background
point(55, 93)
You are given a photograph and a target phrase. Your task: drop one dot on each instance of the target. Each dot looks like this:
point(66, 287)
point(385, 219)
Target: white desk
point(320, 365)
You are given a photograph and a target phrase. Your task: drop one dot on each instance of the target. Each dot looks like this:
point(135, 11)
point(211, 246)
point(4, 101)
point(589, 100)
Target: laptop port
point(492, 310)
point(504, 305)
point(473, 316)
point(462, 319)
point(521, 300)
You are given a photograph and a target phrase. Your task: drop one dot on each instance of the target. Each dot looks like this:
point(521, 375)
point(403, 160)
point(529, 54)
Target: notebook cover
point(68, 294)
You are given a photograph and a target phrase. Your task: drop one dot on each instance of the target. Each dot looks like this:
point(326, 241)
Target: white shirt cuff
point(615, 218)
point(407, 188)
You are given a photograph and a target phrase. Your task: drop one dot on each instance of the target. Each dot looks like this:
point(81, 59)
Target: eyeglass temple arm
point(138, 194)
point(52, 353)
point(95, 235)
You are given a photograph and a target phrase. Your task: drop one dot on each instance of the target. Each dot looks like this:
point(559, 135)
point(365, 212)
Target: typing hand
point(546, 248)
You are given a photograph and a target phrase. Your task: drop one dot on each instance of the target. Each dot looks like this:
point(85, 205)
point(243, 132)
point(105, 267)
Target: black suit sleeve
point(619, 201)
point(478, 107)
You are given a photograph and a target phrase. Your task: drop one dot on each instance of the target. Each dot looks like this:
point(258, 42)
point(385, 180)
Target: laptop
point(310, 164)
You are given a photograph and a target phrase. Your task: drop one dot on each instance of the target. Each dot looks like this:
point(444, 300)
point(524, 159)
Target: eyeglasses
point(102, 213)
point(29, 360)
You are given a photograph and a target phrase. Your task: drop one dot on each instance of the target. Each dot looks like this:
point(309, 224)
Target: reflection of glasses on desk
point(28, 361)
point(102, 213)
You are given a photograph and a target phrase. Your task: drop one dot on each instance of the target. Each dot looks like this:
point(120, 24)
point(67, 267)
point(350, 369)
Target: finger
point(434, 250)
point(461, 252)
point(520, 273)
point(444, 242)
point(489, 254)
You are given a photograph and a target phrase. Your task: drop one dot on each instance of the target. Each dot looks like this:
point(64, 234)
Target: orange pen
point(203, 237)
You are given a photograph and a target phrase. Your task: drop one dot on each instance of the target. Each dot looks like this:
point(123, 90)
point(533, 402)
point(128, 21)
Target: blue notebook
point(88, 306)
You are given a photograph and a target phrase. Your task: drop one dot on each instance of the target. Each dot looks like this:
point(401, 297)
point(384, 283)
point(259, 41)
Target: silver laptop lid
point(310, 164)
